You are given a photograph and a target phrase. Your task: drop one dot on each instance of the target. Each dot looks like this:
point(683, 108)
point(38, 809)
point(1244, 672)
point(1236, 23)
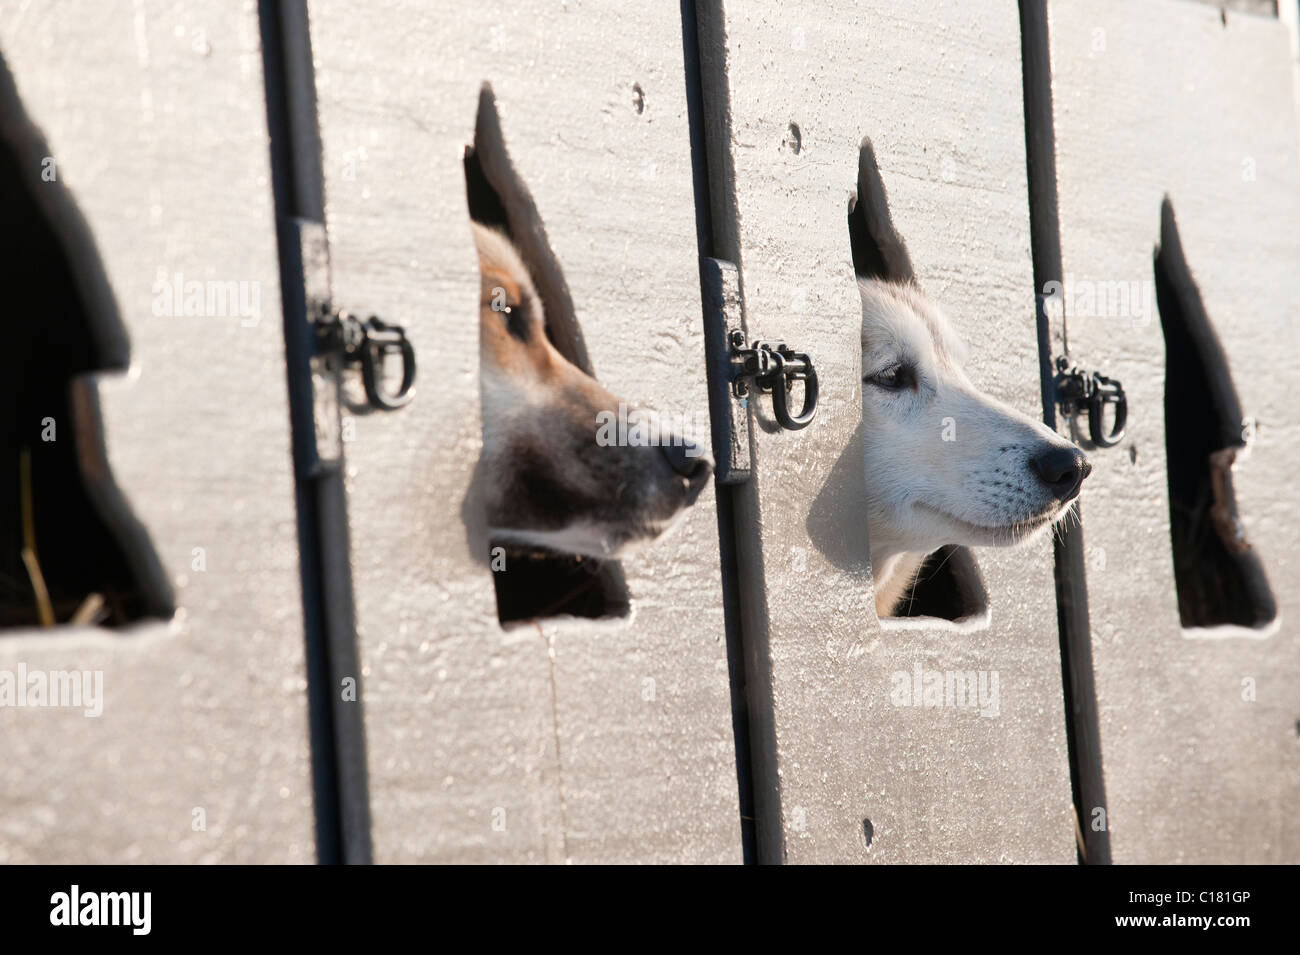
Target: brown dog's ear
point(505, 201)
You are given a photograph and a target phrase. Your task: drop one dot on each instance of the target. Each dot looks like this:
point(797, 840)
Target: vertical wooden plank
point(156, 119)
point(937, 88)
point(573, 740)
point(1155, 99)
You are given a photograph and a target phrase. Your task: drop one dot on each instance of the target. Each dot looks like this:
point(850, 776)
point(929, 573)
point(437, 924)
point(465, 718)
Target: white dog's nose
point(1062, 469)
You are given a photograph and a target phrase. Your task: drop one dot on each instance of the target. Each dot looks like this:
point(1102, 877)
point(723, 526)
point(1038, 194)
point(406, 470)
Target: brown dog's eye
point(516, 319)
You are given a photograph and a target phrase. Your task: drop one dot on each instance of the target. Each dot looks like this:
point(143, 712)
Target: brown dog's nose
point(688, 459)
point(1061, 469)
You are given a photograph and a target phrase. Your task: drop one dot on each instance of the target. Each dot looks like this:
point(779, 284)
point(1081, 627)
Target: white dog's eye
point(894, 378)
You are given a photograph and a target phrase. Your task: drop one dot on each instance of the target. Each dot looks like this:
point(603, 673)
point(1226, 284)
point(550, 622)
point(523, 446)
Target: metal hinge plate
point(724, 319)
point(326, 367)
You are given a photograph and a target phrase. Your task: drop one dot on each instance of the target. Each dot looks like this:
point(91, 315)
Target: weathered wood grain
point(156, 118)
point(937, 88)
point(1153, 99)
point(546, 731)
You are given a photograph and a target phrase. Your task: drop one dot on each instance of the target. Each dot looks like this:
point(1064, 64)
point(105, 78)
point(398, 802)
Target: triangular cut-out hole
point(949, 585)
point(532, 583)
point(1218, 574)
point(70, 550)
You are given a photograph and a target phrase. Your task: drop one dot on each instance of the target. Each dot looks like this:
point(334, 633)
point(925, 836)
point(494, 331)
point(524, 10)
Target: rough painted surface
point(938, 90)
point(157, 121)
point(524, 744)
point(1154, 98)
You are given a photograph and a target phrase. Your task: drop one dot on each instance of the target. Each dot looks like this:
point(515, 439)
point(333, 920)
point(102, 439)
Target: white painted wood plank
point(157, 119)
point(937, 88)
point(545, 728)
point(1158, 98)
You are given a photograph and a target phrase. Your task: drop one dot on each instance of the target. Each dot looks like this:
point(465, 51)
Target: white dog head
point(945, 463)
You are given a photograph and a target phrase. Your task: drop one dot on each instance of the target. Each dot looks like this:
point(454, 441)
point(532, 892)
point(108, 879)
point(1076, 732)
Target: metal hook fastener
point(774, 368)
point(381, 338)
point(1089, 392)
point(368, 344)
point(1107, 391)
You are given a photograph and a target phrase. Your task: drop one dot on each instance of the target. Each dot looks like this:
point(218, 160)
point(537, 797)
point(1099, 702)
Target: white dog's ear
point(879, 252)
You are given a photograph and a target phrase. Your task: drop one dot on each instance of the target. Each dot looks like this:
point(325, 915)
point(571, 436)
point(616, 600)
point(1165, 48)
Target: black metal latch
point(1082, 392)
point(773, 368)
point(368, 343)
point(738, 370)
point(322, 342)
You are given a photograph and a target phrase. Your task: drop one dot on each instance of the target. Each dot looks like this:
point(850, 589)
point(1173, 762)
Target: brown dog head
point(568, 466)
